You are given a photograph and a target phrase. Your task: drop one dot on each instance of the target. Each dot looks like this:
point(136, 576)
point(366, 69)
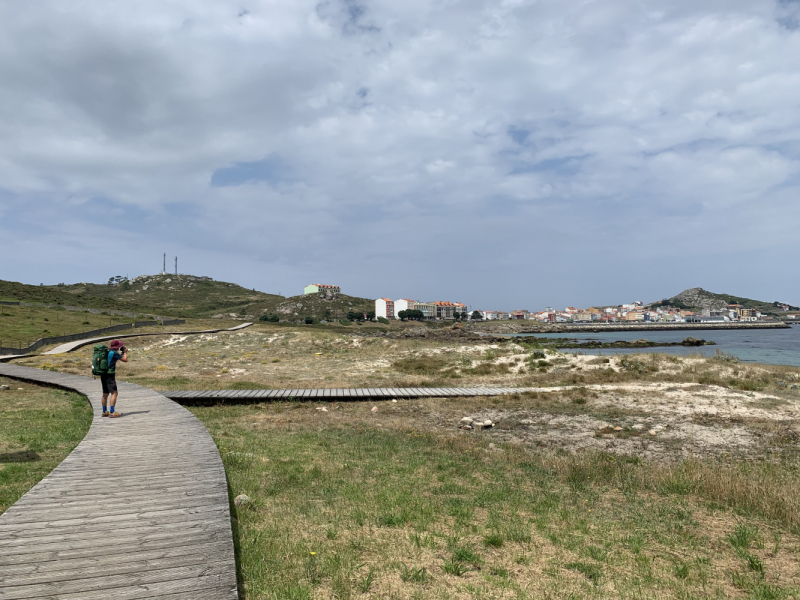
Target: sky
point(508, 154)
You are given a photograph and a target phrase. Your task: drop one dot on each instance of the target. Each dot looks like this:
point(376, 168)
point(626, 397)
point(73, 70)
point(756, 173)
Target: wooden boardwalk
point(246, 396)
point(138, 510)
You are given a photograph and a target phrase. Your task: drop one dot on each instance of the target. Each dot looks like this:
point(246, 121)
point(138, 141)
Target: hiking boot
point(105, 413)
point(115, 414)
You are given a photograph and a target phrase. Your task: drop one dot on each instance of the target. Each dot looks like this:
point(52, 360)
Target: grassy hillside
point(185, 296)
point(698, 299)
point(170, 295)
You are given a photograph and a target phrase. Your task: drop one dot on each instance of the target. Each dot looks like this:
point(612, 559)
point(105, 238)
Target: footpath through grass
point(39, 427)
point(352, 508)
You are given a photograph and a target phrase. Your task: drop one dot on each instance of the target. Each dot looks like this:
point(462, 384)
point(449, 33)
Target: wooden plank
point(166, 522)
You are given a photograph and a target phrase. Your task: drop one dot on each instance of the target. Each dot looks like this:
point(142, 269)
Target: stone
point(242, 501)
point(477, 426)
point(322, 409)
point(466, 421)
point(652, 432)
point(488, 423)
point(468, 427)
point(4, 387)
point(393, 400)
point(492, 446)
point(374, 409)
point(638, 427)
point(617, 428)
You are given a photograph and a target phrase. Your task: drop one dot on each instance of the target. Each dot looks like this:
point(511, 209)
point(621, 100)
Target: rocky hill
point(698, 299)
point(329, 306)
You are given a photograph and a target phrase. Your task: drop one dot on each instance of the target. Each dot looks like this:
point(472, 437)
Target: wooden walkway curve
point(138, 510)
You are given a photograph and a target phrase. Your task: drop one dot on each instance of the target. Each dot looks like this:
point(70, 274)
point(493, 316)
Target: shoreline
point(514, 329)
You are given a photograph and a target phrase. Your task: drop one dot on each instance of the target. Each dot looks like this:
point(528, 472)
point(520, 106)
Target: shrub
point(383, 320)
point(269, 318)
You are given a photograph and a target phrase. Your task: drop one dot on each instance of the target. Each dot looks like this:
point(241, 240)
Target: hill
point(325, 305)
point(186, 296)
point(700, 299)
point(170, 295)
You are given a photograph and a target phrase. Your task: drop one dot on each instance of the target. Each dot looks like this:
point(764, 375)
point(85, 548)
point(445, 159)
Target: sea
point(767, 346)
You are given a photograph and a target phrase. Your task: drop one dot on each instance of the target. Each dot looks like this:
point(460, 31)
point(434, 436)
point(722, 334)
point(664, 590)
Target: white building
point(403, 304)
point(384, 308)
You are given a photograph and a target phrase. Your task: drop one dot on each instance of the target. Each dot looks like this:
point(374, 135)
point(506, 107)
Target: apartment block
point(384, 308)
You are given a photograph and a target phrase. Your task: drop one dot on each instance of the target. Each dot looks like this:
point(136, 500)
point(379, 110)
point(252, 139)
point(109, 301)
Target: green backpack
point(100, 360)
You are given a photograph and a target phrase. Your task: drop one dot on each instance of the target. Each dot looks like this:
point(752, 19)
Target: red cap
point(115, 344)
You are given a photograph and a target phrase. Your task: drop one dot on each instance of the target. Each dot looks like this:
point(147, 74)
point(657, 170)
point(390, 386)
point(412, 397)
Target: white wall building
point(384, 308)
point(403, 304)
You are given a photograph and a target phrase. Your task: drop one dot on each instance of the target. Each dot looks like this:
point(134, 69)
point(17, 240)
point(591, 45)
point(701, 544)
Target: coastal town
point(665, 311)
point(634, 312)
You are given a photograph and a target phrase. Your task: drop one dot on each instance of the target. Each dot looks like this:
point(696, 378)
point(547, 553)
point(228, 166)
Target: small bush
point(383, 320)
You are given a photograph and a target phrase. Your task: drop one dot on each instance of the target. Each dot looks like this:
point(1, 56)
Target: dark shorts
point(109, 382)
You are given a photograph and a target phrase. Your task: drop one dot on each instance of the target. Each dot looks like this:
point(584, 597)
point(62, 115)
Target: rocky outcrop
point(700, 298)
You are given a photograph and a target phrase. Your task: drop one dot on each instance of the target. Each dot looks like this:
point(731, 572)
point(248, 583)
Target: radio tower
point(164, 268)
point(176, 265)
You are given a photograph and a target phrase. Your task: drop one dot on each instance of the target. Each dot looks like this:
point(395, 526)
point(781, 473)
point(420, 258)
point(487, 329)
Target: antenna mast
point(176, 265)
point(164, 268)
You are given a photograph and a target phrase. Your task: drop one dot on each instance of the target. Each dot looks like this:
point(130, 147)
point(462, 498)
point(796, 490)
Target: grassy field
point(27, 324)
point(348, 503)
point(648, 476)
point(39, 427)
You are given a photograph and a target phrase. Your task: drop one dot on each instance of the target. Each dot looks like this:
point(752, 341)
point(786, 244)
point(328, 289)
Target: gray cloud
point(507, 154)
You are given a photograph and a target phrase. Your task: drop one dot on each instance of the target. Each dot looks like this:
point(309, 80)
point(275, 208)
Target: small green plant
point(499, 572)
point(592, 572)
point(313, 572)
point(276, 360)
point(598, 554)
point(413, 574)
point(391, 520)
point(494, 540)
point(742, 536)
point(466, 555)
point(579, 400)
point(383, 320)
point(681, 571)
point(455, 567)
point(364, 583)
point(754, 564)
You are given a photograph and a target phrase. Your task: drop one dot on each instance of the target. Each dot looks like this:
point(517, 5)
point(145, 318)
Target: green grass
point(400, 514)
point(28, 324)
point(39, 427)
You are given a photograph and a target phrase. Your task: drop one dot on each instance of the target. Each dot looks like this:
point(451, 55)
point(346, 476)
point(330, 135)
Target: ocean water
point(768, 346)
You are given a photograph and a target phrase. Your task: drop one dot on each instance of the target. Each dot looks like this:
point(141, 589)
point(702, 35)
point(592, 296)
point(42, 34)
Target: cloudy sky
point(507, 154)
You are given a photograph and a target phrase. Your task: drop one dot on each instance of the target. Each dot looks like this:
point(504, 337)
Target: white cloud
point(419, 125)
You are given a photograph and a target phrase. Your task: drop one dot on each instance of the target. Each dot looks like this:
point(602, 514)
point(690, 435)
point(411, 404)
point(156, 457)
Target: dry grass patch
point(347, 504)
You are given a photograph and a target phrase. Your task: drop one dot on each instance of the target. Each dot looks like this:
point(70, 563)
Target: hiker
point(104, 363)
